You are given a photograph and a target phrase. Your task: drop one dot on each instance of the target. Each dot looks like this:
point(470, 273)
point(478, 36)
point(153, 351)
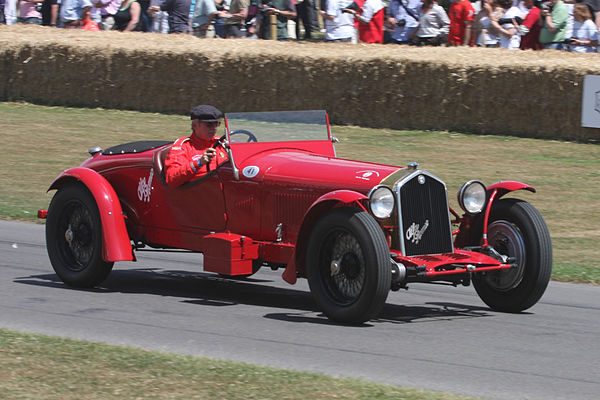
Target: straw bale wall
point(536, 94)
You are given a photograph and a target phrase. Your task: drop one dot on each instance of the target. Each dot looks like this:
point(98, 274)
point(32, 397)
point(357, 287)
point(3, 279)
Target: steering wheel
point(251, 137)
point(221, 141)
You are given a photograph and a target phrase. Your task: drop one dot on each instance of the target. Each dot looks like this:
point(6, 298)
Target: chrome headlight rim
point(469, 200)
point(382, 202)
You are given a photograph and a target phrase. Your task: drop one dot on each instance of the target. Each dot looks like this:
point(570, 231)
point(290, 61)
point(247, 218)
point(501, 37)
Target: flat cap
point(206, 113)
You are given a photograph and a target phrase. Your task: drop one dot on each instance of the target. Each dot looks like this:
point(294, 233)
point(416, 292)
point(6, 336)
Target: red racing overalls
point(180, 165)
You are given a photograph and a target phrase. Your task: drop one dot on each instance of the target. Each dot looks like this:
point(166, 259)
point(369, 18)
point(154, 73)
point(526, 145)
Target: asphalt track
point(430, 337)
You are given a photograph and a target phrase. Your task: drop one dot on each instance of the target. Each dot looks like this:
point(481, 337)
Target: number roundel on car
point(250, 171)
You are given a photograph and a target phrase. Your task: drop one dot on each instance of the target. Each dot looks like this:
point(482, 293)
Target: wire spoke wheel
point(74, 237)
point(348, 266)
point(76, 244)
point(343, 269)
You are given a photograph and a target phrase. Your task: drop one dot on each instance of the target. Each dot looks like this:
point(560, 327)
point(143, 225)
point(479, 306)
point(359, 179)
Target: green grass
point(38, 142)
point(47, 368)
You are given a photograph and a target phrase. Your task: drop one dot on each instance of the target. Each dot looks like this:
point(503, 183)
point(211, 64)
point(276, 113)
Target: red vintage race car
point(355, 230)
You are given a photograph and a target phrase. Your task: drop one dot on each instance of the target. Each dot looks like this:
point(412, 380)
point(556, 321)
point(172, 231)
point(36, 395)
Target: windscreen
point(277, 126)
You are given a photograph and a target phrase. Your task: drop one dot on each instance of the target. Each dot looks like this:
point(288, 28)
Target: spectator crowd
point(570, 25)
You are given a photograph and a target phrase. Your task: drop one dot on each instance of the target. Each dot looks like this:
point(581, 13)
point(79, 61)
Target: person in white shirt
point(433, 24)
point(484, 34)
point(509, 31)
point(11, 12)
point(339, 25)
point(521, 5)
point(584, 37)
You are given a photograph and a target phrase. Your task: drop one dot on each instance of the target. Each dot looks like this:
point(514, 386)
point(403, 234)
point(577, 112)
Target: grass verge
point(38, 142)
point(47, 368)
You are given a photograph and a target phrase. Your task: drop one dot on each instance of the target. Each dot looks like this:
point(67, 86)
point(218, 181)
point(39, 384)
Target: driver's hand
point(208, 155)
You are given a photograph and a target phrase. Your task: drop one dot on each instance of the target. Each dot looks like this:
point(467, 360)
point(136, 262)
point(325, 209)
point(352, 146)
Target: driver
point(194, 156)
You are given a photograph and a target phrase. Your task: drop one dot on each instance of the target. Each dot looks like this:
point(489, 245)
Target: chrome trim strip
point(236, 171)
point(373, 189)
point(397, 188)
point(461, 191)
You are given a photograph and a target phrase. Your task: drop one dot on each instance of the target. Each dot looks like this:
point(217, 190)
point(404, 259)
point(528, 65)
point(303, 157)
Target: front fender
point(473, 229)
point(320, 206)
point(116, 245)
point(504, 187)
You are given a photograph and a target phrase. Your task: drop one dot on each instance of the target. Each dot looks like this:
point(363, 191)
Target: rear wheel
point(74, 238)
point(348, 266)
point(517, 230)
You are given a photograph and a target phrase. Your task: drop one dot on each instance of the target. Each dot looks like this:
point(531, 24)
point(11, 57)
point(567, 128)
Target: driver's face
point(205, 130)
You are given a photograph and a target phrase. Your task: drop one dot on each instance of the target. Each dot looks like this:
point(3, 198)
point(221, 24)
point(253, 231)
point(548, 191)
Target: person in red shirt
point(530, 27)
point(370, 17)
point(195, 156)
point(461, 14)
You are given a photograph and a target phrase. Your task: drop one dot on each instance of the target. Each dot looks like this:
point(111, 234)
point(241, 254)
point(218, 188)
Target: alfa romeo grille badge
point(414, 233)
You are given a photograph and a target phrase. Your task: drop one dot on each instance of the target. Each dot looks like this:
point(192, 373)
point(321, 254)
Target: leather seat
point(158, 159)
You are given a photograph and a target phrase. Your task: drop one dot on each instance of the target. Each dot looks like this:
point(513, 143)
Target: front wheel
point(517, 230)
point(348, 266)
point(74, 238)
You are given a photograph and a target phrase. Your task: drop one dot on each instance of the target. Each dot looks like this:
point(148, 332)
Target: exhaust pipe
point(398, 275)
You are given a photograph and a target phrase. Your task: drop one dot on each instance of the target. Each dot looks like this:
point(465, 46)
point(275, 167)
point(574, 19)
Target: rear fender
point(116, 245)
point(338, 198)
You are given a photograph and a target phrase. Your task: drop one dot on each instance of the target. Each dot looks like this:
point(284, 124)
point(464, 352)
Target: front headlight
point(472, 196)
point(382, 202)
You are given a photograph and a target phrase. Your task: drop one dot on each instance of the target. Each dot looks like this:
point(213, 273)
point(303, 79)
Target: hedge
point(480, 90)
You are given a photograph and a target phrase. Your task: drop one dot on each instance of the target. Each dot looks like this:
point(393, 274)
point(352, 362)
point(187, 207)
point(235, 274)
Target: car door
point(198, 204)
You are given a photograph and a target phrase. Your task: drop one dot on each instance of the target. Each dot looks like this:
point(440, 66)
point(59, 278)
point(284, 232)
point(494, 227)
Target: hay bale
point(480, 90)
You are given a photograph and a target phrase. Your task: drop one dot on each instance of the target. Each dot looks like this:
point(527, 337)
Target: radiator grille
point(424, 215)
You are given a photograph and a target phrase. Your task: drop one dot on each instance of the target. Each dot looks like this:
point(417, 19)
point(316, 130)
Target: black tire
point(516, 229)
point(74, 238)
point(355, 289)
